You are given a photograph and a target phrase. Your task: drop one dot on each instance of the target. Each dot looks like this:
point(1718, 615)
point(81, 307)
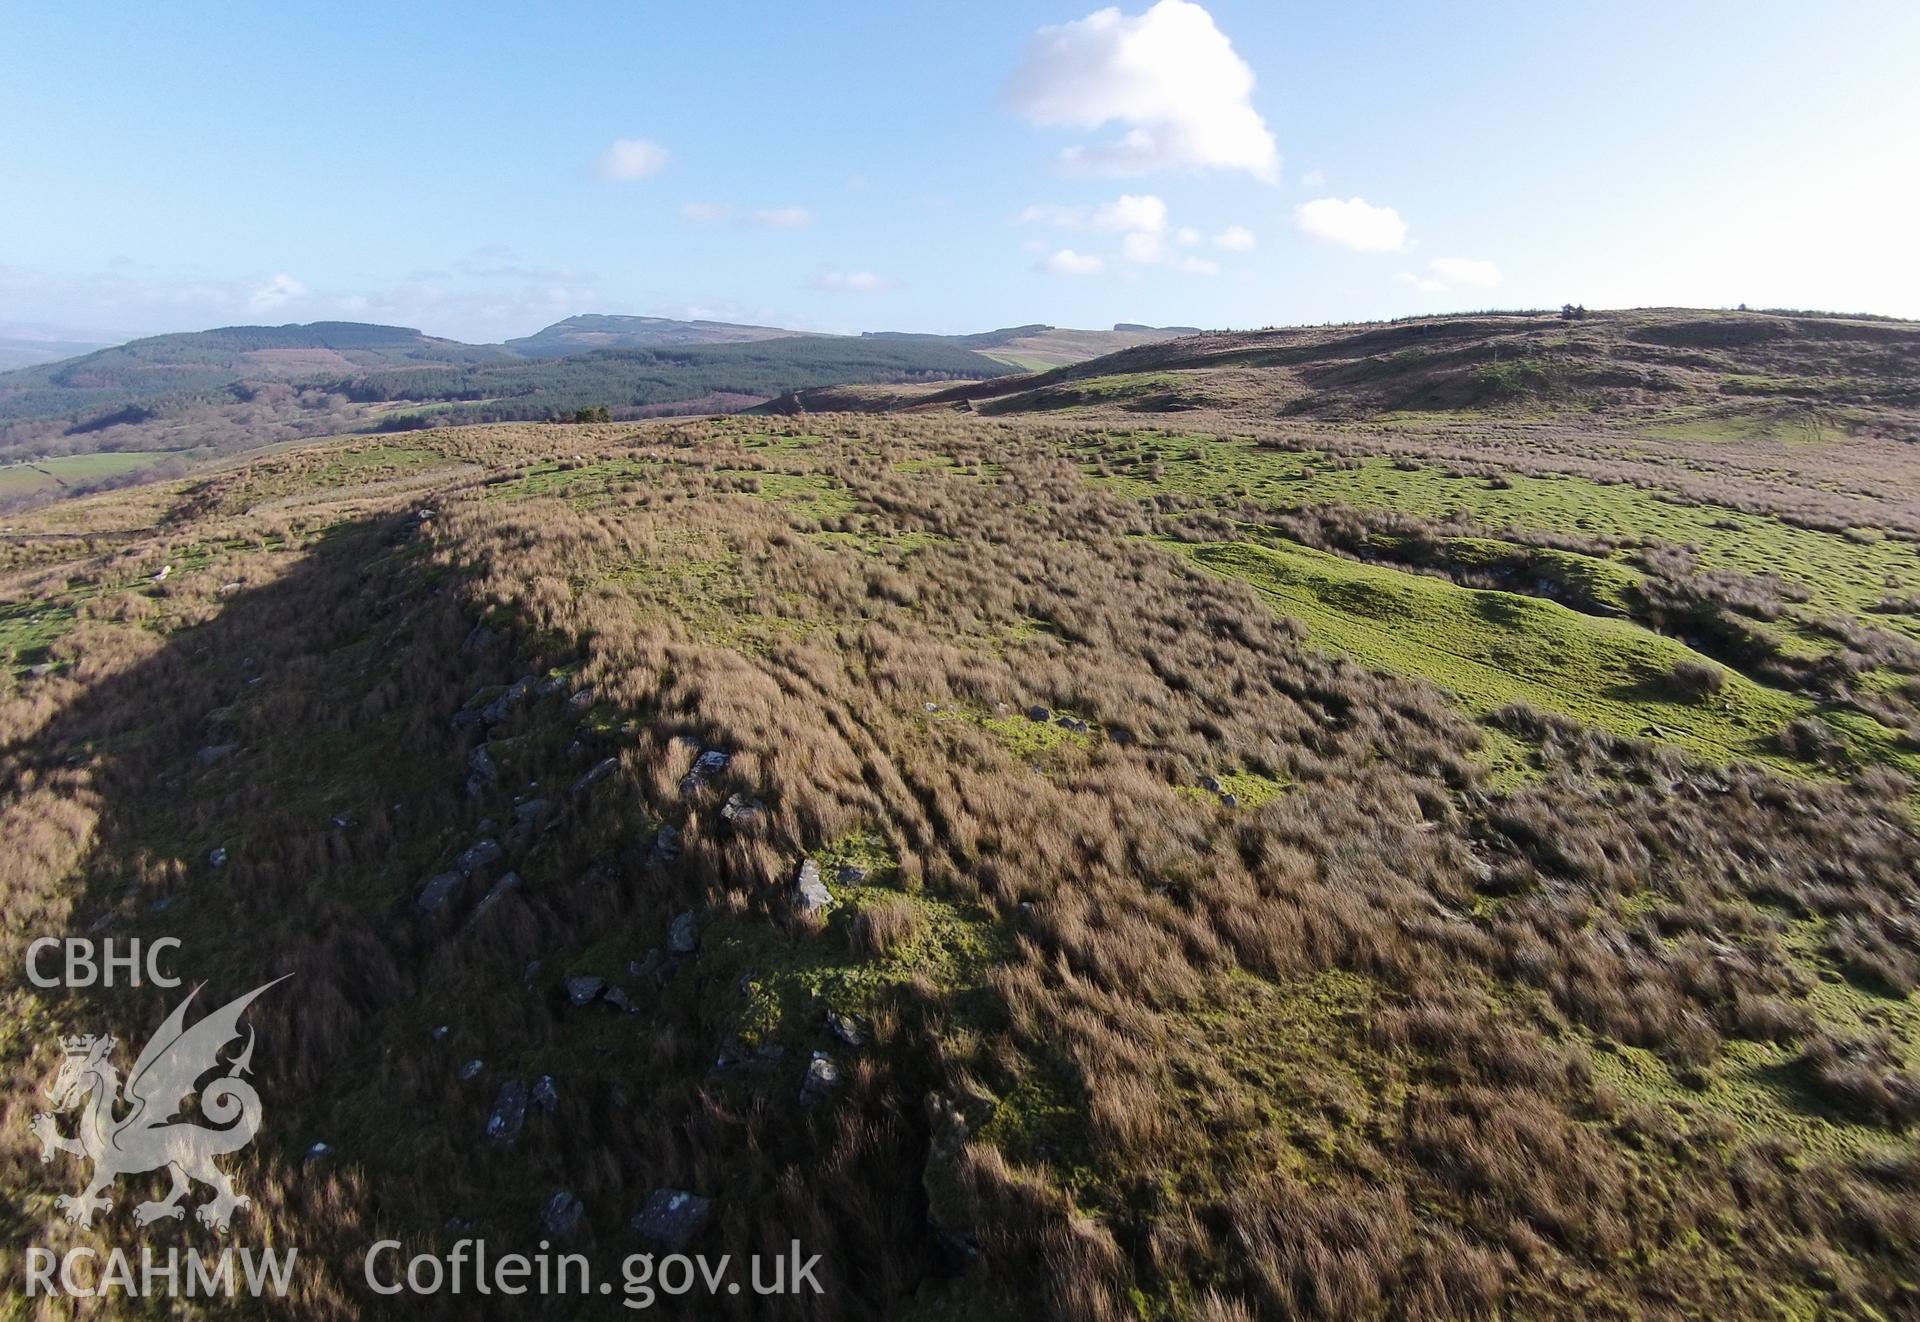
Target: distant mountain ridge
point(591, 331)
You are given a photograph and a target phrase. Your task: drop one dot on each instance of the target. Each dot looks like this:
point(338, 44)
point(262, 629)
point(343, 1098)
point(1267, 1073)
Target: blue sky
point(479, 172)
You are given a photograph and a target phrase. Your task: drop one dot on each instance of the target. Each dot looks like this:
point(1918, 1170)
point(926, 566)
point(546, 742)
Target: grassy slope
point(1493, 648)
point(66, 470)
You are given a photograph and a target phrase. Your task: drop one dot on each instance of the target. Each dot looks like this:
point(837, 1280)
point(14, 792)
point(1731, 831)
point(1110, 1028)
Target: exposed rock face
point(683, 937)
point(213, 754)
point(563, 1214)
point(437, 890)
point(705, 767)
point(810, 894)
point(481, 772)
point(478, 855)
point(672, 1217)
point(509, 1114)
point(501, 888)
point(665, 848)
point(509, 702)
point(599, 772)
point(823, 1079)
point(742, 811)
point(584, 989)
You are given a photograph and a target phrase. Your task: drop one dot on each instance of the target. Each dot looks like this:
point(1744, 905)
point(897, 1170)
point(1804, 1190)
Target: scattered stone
point(582, 988)
point(213, 754)
point(217, 856)
point(440, 1033)
point(705, 767)
point(823, 1078)
point(1039, 713)
point(683, 937)
point(509, 1112)
point(1122, 735)
point(741, 810)
point(672, 1217)
point(341, 821)
point(811, 895)
point(546, 1094)
point(618, 999)
point(851, 875)
point(645, 968)
point(481, 772)
point(437, 890)
point(551, 685)
point(601, 770)
point(471, 1071)
point(846, 1027)
point(532, 811)
point(40, 671)
point(507, 703)
point(319, 1152)
point(666, 847)
point(480, 854)
point(1230, 800)
point(479, 640)
point(563, 1214)
point(506, 884)
point(580, 702)
point(161, 577)
point(1210, 784)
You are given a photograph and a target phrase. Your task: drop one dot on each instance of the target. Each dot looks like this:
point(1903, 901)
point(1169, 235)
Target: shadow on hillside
point(270, 787)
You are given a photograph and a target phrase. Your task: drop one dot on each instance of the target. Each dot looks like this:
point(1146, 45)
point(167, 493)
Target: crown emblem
point(78, 1046)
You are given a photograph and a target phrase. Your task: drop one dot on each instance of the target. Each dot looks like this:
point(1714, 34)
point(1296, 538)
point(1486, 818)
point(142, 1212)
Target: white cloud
point(1068, 262)
point(1187, 237)
point(1424, 282)
point(1130, 212)
point(1234, 238)
point(783, 218)
point(275, 291)
point(1168, 77)
point(1196, 266)
point(851, 282)
point(705, 213)
point(1143, 246)
point(629, 160)
point(1314, 178)
point(1465, 271)
point(1352, 224)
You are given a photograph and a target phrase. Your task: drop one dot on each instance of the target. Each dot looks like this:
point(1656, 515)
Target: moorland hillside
point(1416, 854)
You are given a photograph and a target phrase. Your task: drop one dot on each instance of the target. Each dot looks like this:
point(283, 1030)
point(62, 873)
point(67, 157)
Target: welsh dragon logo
point(151, 1135)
